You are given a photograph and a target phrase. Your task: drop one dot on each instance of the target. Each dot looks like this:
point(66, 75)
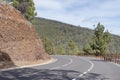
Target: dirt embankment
point(19, 41)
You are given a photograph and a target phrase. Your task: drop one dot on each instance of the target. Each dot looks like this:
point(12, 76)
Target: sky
point(85, 13)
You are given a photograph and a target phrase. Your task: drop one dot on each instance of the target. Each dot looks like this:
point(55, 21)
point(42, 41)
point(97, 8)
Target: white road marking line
point(27, 66)
point(92, 65)
point(63, 65)
point(68, 63)
point(73, 79)
point(84, 72)
point(81, 75)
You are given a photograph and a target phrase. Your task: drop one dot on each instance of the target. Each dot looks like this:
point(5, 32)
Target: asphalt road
point(66, 68)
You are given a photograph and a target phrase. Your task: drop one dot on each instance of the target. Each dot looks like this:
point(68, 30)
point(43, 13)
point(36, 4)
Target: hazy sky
point(85, 13)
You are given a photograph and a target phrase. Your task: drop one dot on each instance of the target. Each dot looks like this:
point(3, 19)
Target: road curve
point(66, 68)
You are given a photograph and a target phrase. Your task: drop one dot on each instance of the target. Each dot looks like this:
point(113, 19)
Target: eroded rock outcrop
point(18, 38)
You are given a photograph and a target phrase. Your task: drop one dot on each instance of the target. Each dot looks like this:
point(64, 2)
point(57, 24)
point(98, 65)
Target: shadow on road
point(93, 76)
point(34, 74)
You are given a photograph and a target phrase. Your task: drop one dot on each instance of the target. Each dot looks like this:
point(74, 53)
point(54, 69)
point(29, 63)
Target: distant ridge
point(60, 33)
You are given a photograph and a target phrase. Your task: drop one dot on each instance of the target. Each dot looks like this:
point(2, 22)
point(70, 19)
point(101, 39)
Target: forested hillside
point(59, 34)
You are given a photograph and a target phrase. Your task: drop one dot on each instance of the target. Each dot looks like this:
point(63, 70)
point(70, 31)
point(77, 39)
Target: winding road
point(66, 68)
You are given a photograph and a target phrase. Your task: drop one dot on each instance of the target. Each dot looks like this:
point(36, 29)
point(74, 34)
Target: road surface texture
point(66, 68)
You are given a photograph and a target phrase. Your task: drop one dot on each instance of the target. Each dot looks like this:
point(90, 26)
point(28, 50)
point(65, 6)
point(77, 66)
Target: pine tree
point(49, 47)
point(30, 14)
point(100, 41)
point(71, 47)
point(26, 7)
point(87, 49)
point(15, 3)
point(76, 50)
point(61, 50)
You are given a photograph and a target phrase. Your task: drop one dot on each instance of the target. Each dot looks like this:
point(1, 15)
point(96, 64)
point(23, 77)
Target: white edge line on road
point(91, 67)
point(68, 63)
point(53, 60)
point(63, 65)
point(118, 65)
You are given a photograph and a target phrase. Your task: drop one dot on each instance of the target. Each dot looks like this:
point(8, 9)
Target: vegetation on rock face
point(100, 41)
point(60, 34)
point(26, 7)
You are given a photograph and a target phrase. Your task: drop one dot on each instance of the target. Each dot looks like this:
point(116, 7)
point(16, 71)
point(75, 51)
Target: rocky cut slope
point(18, 38)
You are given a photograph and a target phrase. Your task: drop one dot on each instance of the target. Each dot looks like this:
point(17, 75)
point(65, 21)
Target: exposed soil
point(18, 38)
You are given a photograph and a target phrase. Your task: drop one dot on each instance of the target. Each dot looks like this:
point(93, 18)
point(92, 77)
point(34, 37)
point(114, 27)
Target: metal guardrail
point(112, 58)
point(107, 57)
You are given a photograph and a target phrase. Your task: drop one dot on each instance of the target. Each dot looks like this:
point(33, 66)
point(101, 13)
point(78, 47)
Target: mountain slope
point(60, 34)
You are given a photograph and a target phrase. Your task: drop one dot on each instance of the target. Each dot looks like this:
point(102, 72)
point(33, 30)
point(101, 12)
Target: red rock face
point(18, 37)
